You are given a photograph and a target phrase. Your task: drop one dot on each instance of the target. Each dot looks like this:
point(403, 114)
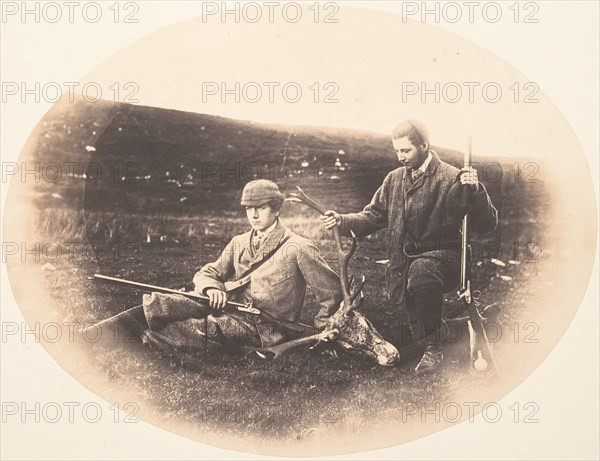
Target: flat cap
point(259, 192)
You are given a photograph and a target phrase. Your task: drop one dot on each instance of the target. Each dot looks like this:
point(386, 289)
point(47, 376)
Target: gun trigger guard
point(249, 308)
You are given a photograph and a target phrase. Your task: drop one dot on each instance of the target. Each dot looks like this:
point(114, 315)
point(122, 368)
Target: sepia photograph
point(294, 229)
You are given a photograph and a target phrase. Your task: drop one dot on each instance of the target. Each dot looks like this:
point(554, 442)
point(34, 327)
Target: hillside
point(145, 160)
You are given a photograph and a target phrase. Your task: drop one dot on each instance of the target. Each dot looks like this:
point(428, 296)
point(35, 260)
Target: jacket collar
point(433, 164)
point(425, 164)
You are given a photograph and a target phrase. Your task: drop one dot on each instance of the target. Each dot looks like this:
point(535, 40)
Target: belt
point(412, 249)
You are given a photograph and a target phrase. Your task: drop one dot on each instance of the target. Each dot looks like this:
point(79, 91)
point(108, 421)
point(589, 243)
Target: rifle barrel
point(468, 150)
point(464, 255)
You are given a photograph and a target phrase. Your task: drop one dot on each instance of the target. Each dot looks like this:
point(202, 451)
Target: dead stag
point(347, 327)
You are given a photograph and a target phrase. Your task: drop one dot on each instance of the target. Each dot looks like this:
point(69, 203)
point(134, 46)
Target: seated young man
point(268, 266)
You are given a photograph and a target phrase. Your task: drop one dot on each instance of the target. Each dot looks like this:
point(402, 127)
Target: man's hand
point(217, 299)
point(469, 176)
point(331, 219)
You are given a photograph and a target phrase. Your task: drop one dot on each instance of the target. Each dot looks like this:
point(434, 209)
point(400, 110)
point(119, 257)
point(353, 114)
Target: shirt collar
point(268, 231)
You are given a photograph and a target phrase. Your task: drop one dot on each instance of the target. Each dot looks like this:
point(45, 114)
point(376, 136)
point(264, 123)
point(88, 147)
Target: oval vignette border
point(29, 302)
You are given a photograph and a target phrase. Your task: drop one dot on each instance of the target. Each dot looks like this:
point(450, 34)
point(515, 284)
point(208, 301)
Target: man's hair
point(276, 203)
point(417, 133)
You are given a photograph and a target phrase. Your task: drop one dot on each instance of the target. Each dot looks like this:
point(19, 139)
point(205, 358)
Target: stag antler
point(343, 256)
point(273, 352)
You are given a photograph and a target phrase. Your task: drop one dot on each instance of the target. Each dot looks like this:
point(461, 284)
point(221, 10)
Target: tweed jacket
point(423, 219)
point(278, 286)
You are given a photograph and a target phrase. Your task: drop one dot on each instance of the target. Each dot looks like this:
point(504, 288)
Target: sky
point(368, 71)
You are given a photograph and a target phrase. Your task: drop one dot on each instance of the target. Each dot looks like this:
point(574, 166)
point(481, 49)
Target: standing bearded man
point(422, 204)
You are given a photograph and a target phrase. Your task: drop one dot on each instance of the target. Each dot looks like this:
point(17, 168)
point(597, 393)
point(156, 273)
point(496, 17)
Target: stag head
point(348, 327)
point(355, 333)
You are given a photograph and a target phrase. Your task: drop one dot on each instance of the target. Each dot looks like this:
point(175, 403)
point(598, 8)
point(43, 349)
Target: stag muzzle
point(386, 354)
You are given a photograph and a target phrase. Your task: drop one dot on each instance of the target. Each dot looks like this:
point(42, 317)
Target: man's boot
point(432, 358)
point(429, 305)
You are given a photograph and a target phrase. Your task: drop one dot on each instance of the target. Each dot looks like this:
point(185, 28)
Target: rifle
point(192, 295)
point(135, 315)
point(135, 320)
point(481, 353)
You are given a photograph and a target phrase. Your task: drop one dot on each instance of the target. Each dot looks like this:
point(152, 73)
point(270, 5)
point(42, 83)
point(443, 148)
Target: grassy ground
point(301, 397)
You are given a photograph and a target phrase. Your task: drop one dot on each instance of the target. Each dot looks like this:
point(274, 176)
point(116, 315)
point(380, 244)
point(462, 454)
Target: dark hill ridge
point(148, 160)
